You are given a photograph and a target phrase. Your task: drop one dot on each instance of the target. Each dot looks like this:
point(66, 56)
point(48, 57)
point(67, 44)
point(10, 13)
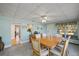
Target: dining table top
point(50, 43)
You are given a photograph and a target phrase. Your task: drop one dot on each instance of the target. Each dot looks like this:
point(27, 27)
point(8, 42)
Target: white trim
point(7, 46)
point(25, 41)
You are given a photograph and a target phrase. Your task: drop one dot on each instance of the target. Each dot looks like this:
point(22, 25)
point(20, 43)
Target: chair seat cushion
point(44, 52)
point(56, 51)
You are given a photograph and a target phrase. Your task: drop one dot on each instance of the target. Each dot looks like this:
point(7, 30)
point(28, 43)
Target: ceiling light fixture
point(44, 18)
point(43, 21)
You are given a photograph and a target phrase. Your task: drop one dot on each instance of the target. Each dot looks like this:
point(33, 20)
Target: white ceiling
point(55, 12)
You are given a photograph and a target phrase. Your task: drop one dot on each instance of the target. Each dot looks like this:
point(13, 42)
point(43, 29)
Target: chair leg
point(49, 52)
point(67, 52)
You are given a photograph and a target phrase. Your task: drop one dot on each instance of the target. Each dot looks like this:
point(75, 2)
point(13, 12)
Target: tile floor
point(26, 50)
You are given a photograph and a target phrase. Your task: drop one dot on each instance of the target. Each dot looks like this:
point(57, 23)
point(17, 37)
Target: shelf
point(68, 28)
point(70, 33)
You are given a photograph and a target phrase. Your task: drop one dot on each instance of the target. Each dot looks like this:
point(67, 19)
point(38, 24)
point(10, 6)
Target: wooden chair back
point(38, 36)
point(36, 46)
point(44, 35)
point(64, 50)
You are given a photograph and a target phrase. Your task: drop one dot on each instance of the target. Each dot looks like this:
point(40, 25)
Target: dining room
point(39, 29)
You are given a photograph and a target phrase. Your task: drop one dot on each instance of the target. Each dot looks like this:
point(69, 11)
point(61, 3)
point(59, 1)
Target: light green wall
point(51, 29)
point(5, 28)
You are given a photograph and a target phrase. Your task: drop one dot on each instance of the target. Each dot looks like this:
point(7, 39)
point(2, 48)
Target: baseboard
point(74, 43)
point(25, 41)
point(7, 46)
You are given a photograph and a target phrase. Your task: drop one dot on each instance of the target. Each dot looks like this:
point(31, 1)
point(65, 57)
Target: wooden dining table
point(50, 43)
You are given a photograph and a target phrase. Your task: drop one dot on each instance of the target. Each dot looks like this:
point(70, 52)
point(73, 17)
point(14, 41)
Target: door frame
point(13, 34)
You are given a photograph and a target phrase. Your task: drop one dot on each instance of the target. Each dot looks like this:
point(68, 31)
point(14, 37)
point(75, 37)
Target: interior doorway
point(15, 34)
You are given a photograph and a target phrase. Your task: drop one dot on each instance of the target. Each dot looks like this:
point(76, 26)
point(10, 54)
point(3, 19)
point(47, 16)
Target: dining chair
point(49, 37)
point(38, 36)
point(37, 50)
point(62, 42)
point(58, 35)
point(44, 35)
point(61, 51)
point(65, 49)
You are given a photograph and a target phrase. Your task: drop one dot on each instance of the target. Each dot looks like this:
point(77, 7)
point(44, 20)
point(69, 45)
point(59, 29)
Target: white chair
point(61, 51)
point(36, 49)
